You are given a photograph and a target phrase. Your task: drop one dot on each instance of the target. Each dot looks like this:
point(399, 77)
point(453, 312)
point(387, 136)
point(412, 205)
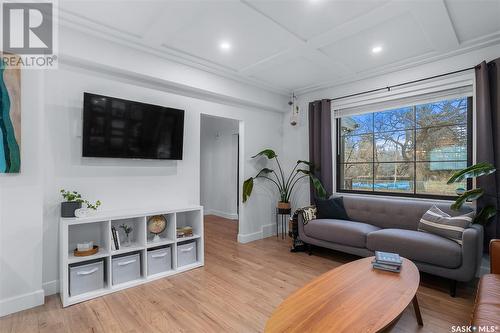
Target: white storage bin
point(86, 278)
point(126, 268)
point(186, 253)
point(159, 260)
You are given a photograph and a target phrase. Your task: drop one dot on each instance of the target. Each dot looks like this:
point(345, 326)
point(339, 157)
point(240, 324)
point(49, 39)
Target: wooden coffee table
point(350, 298)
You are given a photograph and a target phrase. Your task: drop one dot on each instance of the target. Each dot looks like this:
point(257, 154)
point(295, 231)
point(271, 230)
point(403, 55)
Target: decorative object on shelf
point(10, 117)
point(85, 246)
point(84, 212)
point(127, 230)
point(156, 225)
point(183, 232)
point(93, 206)
point(85, 253)
point(474, 171)
point(285, 185)
point(294, 116)
point(72, 207)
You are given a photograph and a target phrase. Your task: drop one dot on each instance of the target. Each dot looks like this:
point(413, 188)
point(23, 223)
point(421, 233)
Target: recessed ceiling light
point(377, 49)
point(225, 46)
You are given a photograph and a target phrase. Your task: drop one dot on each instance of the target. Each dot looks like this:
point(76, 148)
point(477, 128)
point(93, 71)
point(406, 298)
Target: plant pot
point(284, 205)
point(68, 208)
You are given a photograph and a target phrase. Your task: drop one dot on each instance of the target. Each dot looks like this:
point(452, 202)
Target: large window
point(409, 151)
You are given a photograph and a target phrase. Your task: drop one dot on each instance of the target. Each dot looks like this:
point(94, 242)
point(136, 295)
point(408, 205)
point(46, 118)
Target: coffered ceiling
point(293, 45)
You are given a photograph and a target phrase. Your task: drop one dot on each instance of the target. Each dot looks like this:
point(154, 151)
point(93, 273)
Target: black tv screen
point(118, 128)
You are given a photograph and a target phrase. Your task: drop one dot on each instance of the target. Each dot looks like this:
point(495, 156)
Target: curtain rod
point(388, 88)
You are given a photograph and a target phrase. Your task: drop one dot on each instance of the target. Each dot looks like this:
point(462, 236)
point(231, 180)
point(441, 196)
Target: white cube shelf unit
point(97, 228)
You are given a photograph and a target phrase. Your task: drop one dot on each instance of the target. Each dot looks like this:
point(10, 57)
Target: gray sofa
point(390, 224)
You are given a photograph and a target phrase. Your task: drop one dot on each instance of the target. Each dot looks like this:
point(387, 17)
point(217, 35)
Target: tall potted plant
point(285, 185)
point(474, 171)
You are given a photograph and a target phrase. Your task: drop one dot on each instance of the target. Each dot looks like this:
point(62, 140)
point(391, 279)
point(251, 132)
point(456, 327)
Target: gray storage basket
point(86, 278)
point(159, 260)
point(126, 268)
point(186, 253)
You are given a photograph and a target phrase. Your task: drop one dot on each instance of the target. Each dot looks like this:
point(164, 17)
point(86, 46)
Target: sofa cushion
point(418, 246)
point(395, 213)
point(437, 222)
point(487, 308)
point(339, 231)
point(332, 208)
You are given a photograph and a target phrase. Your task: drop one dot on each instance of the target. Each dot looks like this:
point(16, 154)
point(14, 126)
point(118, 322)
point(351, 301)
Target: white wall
point(21, 209)
point(296, 138)
point(219, 166)
point(130, 183)
point(51, 110)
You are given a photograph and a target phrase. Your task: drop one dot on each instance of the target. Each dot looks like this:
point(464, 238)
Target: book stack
point(115, 239)
point(184, 232)
point(387, 261)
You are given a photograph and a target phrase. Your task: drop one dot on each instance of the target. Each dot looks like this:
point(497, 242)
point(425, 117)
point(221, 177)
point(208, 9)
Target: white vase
point(84, 212)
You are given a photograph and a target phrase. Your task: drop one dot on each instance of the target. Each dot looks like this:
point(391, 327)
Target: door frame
point(241, 161)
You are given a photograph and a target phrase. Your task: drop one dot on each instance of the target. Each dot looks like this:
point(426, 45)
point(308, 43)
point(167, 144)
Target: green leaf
point(485, 215)
point(477, 170)
point(310, 164)
point(247, 188)
point(264, 171)
point(467, 196)
point(318, 187)
point(307, 172)
point(269, 153)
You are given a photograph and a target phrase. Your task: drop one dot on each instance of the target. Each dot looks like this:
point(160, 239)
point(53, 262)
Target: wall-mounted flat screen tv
point(119, 128)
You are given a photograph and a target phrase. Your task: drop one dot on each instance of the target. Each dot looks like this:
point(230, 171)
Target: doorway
point(219, 169)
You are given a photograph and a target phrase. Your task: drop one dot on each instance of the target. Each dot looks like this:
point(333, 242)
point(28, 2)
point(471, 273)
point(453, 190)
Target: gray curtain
point(320, 143)
point(488, 138)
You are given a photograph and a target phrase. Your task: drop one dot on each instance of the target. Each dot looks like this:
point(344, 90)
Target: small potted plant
point(73, 201)
point(127, 230)
point(72, 207)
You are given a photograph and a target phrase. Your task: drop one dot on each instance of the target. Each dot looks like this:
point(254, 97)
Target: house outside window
point(406, 151)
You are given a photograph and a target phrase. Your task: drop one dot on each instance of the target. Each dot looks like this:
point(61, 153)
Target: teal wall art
point(10, 118)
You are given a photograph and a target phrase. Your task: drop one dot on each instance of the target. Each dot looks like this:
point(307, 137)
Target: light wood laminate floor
point(236, 291)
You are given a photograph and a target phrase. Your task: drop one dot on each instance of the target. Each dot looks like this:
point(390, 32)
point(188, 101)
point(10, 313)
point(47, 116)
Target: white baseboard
point(21, 302)
point(51, 287)
point(225, 215)
point(246, 238)
point(267, 230)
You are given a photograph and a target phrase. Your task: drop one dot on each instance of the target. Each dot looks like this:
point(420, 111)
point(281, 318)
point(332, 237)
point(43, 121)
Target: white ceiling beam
point(435, 21)
point(300, 48)
point(309, 49)
point(367, 21)
point(160, 28)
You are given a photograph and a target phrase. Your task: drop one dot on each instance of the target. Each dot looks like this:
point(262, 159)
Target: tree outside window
point(410, 150)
